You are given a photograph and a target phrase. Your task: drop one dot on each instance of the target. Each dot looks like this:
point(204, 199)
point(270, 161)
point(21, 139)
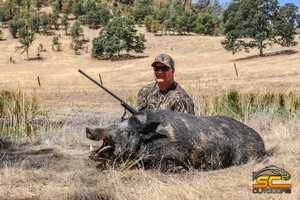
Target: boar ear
point(149, 131)
point(95, 134)
point(148, 127)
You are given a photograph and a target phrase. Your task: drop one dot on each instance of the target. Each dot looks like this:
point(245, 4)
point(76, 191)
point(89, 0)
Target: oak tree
point(252, 24)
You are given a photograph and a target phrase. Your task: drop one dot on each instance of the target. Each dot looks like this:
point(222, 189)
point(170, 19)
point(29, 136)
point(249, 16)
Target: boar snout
point(89, 134)
point(96, 134)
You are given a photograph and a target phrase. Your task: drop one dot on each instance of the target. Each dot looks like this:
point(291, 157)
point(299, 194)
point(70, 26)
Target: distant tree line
point(263, 21)
point(177, 16)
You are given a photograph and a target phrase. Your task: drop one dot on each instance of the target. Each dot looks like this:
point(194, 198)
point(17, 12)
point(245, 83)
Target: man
point(164, 93)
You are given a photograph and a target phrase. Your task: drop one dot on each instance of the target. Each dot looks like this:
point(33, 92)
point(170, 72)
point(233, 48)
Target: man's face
point(164, 77)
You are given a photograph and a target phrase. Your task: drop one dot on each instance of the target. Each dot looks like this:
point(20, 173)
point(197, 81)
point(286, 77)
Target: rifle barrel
point(123, 103)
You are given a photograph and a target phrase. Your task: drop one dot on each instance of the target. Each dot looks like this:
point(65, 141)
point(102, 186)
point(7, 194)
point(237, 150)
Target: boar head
point(123, 140)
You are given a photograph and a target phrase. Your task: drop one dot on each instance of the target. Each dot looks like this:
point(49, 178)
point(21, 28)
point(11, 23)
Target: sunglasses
point(163, 68)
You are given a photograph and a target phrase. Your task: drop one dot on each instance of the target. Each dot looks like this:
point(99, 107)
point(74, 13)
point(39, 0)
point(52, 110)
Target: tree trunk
point(184, 3)
point(261, 49)
point(27, 54)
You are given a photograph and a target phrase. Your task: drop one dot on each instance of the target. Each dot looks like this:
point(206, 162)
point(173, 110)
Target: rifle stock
point(123, 103)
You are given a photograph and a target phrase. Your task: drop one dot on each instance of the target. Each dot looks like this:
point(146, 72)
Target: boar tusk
point(103, 149)
point(91, 148)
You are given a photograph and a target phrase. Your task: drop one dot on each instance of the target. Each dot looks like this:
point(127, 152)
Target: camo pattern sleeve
point(174, 98)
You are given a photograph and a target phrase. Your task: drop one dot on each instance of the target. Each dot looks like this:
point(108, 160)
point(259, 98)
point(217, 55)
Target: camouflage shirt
point(174, 98)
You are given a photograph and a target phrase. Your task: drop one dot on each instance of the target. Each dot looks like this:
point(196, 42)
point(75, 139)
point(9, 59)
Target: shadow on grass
point(276, 53)
point(14, 153)
point(38, 58)
point(122, 57)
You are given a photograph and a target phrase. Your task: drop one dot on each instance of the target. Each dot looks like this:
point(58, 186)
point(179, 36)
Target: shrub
point(17, 111)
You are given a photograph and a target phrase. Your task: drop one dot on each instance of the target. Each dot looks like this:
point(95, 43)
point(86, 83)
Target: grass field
point(55, 165)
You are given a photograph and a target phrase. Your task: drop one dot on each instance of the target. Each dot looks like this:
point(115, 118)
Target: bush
point(76, 31)
point(15, 25)
point(17, 111)
point(35, 23)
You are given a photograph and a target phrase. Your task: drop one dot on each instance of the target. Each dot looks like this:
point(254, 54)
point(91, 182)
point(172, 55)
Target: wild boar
point(166, 140)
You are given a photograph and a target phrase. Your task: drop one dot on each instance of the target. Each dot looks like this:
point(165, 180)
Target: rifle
point(123, 103)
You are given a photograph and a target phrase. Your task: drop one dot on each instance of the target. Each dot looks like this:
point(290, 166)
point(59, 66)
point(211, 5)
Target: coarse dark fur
point(167, 140)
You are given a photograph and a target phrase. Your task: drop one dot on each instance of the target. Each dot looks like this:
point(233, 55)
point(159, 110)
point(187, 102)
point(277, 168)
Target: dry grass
point(55, 165)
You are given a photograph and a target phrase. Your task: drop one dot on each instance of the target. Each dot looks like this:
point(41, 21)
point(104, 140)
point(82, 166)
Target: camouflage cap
point(165, 59)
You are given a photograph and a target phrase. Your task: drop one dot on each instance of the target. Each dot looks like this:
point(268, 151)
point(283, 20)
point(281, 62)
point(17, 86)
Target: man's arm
point(141, 102)
point(182, 101)
point(184, 105)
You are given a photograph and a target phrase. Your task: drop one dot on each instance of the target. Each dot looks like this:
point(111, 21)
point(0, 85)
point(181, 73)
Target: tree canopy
point(205, 24)
point(119, 34)
point(257, 24)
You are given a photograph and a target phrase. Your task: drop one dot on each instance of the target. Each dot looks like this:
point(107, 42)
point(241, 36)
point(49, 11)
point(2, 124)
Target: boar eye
point(128, 133)
point(131, 133)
